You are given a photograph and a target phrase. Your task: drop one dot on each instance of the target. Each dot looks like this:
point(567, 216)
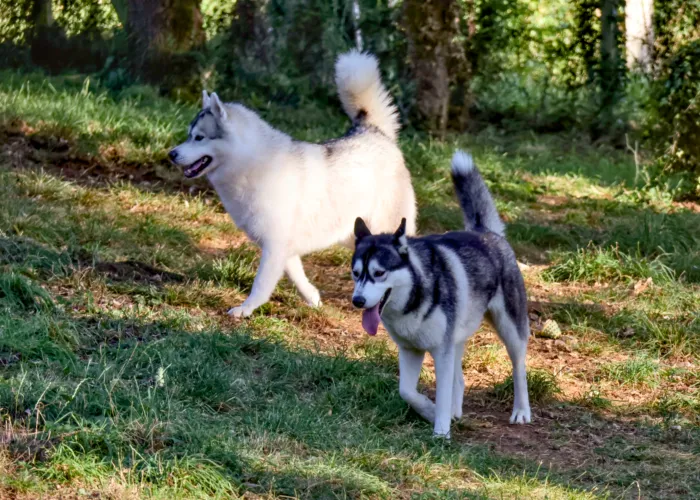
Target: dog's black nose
point(172, 154)
point(358, 301)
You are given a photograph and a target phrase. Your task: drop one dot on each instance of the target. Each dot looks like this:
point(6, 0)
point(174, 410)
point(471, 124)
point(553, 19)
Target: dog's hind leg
point(410, 363)
point(458, 383)
point(515, 341)
point(295, 272)
point(269, 273)
point(444, 380)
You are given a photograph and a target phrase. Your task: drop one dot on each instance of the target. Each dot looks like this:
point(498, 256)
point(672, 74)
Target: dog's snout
point(172, 154)
point(358, 301)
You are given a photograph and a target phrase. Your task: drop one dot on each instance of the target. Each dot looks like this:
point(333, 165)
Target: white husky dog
point(293, 197)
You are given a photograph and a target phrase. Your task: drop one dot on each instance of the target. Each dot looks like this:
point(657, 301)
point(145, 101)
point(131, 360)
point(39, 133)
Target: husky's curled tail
point(474, 196)
point(364, 97)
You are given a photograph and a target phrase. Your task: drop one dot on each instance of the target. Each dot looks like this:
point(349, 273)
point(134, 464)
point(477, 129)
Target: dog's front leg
point(410, 362)
point(269, 273)
point(444, 359)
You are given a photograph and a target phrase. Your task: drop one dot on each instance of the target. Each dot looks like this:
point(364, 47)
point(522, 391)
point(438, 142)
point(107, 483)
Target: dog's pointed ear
point(400, 240)
point(206, 100)
point(217, 107)
point(361, 229)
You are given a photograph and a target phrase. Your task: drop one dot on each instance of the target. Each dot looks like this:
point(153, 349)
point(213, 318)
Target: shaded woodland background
point(622, 72)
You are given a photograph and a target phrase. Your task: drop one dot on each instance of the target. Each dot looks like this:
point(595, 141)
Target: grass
point(120, 373)
point(635, 371)
point(541, 385)
point(595, 264)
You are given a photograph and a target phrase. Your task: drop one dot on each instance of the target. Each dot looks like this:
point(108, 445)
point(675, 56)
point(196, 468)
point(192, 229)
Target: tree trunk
point(42, 14)
point(158, 31)
point(356, 15)
point(610, 68)
point(432, 26)
point(639, 30)
point(248, 34)
point(47, 38)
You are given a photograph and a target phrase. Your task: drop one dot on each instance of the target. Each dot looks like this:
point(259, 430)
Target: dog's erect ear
point(361, 229)
point(400, 240)
point(206, 100)
point(217, 107)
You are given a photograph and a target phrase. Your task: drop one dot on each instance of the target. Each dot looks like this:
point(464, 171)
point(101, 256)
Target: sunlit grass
point(119, 371)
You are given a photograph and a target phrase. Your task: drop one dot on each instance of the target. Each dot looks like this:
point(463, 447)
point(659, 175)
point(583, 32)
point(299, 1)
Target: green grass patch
point(638, 371)
point(542, 387)
point(593, 264)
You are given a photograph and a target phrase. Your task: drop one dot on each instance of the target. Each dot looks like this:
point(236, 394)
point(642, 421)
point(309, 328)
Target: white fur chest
point(414, 330)
point(238, 196)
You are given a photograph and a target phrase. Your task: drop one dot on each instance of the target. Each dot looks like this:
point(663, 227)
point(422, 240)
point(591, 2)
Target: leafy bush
point(677, 135)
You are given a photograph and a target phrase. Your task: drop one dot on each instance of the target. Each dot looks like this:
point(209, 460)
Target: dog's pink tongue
point(370, 320)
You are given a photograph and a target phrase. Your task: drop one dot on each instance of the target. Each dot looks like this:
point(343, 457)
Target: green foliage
point(15, 21)
point(677, 130)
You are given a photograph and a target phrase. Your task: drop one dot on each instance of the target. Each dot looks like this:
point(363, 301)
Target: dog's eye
point(198, 137)
point(379, 274)
point(356, 274)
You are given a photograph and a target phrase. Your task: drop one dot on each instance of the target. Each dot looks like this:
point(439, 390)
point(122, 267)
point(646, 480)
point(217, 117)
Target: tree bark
point(248, 34)
point(160, 29)
point(610, 67)
point(639, 28)
point(432, 26)
point(47, 38)
point(42, 14)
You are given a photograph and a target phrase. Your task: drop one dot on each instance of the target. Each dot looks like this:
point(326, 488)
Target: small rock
point(676, 428)
point(627, 332)
point(562, 346)
point(569, 339)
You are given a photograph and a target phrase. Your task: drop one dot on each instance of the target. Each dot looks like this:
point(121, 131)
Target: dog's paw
point(442, 435)
point(311, 295)
point(241, 311)
point(313, 298)
point(456, 413)
point(520, 416)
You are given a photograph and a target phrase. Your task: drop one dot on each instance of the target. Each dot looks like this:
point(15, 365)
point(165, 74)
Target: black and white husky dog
point(431, 294)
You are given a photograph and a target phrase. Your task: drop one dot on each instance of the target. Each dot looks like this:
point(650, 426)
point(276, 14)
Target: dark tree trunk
point(438, 63)
point(248, 33)
point(47, 38)
point(611, 66)
point(158, 31)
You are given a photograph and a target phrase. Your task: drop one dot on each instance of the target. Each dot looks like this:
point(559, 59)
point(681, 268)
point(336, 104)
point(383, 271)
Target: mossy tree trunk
point(160, 32)
point(46, 36)
point(438, 59)
point(611, 65)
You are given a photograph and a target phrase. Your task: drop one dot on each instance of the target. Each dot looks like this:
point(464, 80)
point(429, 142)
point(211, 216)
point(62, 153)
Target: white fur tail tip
point(462, 163)
point(355, 71)
point(362, 93)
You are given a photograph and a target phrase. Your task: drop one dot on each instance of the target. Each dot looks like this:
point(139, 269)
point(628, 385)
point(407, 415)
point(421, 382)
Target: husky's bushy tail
point(474, 197)
point(362, 93)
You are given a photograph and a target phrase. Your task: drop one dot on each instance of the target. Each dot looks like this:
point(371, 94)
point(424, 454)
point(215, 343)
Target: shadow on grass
point(55, 154)
point(131, 393)
point(232, 412)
